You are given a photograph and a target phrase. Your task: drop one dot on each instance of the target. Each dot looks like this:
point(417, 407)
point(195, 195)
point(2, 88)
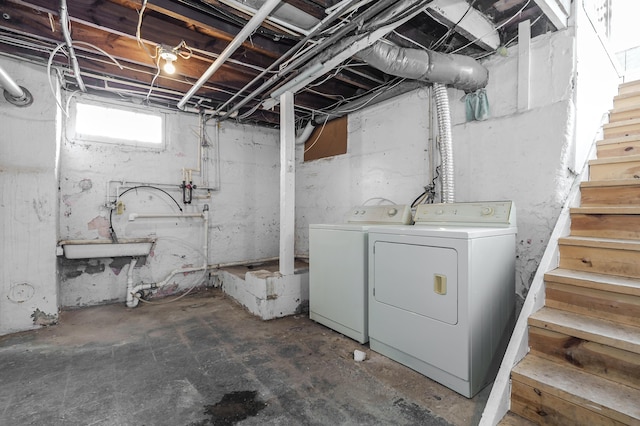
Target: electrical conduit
point(64, 23)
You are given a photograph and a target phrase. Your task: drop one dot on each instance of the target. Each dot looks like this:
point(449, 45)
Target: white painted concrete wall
point(386, 157)
point(28, 203)
point(522, 156)
point(243, 212)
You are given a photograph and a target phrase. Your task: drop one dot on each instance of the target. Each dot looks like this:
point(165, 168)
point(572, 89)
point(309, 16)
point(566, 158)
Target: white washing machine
point(442, 292)
point(338, 268)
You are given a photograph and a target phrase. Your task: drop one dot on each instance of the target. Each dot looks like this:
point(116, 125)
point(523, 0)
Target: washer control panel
point(489, 213)
point(391, 214)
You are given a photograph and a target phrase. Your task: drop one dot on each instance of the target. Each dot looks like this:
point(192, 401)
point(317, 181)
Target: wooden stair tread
point(630, 87)
point(618, 139)
point(626, 95)
point(613, 160)
point(594, 393)
point(596, 281)
point(603, 243)
point(625, 109)
point(607, 183)
point(621, 336)
point(512, 419)
point(622, 123)
point(606, 210)
point(627, 84)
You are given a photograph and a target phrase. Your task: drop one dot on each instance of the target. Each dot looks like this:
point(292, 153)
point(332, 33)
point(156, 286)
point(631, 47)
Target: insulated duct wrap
point(446, 144)
point(459, 71)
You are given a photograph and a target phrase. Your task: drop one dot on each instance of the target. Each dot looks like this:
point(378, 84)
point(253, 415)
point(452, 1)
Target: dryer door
point(421, 279)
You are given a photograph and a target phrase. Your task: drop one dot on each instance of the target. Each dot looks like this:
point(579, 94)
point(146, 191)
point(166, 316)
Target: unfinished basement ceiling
point(132, 34)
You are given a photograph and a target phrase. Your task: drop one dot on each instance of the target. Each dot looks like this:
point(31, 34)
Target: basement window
point(118, 125)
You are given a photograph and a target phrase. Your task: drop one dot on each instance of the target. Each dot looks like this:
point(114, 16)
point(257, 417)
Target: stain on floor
point(204, 360)
point(232, 408)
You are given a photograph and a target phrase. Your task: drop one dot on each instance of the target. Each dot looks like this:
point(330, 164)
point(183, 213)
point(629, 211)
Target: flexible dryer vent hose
point(446, 144)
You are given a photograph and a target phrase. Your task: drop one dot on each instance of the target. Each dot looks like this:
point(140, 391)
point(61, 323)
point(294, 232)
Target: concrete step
point(600, 193)
point(622, 128)
point(619, 147)
point(553, 394)
point(600, 255)
point(618, 222)
point(614, 168)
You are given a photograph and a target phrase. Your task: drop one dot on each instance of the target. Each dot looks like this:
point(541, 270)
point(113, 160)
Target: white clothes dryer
point(338, 268)
point(442, 292)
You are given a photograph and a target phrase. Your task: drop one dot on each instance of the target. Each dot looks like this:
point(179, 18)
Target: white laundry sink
point(87, 249)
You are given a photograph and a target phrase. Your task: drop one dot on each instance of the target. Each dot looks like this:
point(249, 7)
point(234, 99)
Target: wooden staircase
point(583, 367)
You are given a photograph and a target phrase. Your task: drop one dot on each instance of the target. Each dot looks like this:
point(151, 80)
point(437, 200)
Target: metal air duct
point(459, 71)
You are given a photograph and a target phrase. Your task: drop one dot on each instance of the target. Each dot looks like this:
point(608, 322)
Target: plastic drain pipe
point(135, 293)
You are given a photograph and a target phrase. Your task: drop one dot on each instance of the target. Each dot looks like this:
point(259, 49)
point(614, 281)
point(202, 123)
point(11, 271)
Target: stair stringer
point(499, 401)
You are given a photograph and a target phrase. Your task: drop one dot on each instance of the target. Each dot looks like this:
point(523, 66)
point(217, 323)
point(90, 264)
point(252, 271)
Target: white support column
point(524, 65)
point(287, 183)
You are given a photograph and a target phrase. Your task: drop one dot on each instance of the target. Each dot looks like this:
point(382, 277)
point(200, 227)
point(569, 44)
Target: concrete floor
point(204, 360)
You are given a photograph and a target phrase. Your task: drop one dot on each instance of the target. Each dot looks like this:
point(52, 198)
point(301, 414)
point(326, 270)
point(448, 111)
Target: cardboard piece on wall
point(327, 140)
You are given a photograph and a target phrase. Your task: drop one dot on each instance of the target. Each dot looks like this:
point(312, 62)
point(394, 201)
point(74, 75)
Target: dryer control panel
point(392, 214)
point(489, 213)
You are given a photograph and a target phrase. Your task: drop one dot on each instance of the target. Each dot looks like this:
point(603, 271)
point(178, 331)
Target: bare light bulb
point(169, 68)
point(169, 57)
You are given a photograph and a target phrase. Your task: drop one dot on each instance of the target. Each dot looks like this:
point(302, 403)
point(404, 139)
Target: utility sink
point(88, 249)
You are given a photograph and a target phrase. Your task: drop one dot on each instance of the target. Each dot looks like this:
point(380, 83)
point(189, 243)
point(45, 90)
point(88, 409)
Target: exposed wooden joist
point(213, 36)
point(122, 47)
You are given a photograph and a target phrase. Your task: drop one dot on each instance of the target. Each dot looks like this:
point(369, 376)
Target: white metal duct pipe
point(446, 144)
point(64, 23)
point(13, 93)
point(248, 29)
point(459, 71)
point(134, 293)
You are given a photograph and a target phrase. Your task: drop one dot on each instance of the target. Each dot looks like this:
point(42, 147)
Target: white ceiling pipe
point(9, 85)
point(248, 29)
point(14, 94)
